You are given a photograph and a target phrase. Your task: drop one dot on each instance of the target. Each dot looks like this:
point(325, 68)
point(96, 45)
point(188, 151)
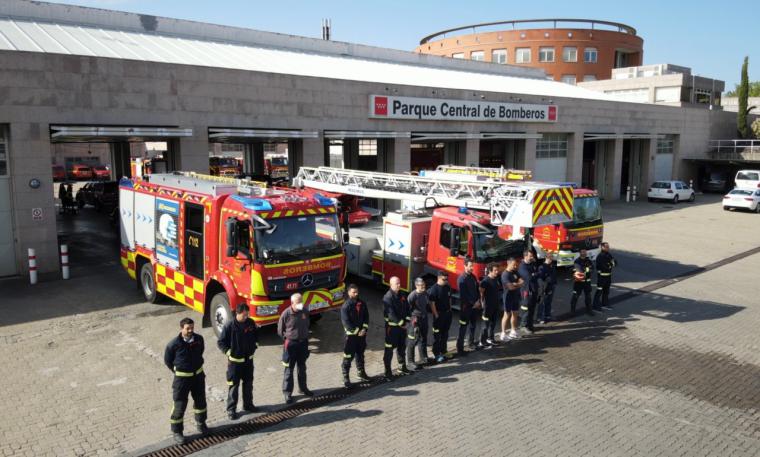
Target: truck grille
point(281, 288)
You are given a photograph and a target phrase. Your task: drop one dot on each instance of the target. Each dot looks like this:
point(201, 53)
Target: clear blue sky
point(708, 36)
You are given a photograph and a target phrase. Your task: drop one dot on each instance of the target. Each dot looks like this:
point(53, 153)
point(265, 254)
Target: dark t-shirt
point(511, 297)
point(492, 294)
point(441, 295)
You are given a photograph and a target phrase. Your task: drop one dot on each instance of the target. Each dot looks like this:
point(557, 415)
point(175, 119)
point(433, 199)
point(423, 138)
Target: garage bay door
point(7, 250)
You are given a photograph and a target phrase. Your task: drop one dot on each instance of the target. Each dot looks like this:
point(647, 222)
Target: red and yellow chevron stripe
point(553, 201)
point(291, 212)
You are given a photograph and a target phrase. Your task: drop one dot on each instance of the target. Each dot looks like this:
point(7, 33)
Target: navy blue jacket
point(354, 315)
point(468, 290)
point(185, 357)
point(239, 338)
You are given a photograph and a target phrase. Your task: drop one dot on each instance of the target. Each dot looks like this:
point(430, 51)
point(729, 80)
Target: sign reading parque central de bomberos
point(438, 109)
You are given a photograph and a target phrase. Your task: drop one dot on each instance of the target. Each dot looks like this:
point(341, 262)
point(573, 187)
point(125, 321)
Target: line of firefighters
point(522, 288)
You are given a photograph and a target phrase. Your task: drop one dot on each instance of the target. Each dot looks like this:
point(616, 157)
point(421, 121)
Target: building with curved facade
point(568, 50)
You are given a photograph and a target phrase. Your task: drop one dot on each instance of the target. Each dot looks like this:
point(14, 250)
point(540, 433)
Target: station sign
point(438, 109)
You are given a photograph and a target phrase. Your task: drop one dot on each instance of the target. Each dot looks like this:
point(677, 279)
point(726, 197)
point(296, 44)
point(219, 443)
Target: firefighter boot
point(179, 438)
point(404, 369)
point(361, 373)
point(346, 368)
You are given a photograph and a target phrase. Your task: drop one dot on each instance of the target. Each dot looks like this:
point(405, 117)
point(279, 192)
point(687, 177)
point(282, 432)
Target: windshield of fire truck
point(586, 209)
point(299, 238)
point(493, 247)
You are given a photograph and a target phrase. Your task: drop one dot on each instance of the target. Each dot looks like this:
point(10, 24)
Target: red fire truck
point(459, 219)
point(211, 242)
point(564, 240)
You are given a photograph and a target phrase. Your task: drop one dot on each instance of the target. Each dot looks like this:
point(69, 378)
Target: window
point(546, 54)
point(665, 145)
point(463, 238)
point(702, 96)
point(589, 78)
point(3, 151)
point(522, 55)
point(570, 54)
point(457, 55)
point(499, 56)
point(568, 79)
point(551, 146)
point(590, 55)
point(477, 55)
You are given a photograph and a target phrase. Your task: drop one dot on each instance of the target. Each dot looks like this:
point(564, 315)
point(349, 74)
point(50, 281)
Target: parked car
point(674, 191)
point(59, 173)
point(742, 199)
point(748, 179)
point(101, 172)
point(716, 182)
point(80, 171)
point(100, 195)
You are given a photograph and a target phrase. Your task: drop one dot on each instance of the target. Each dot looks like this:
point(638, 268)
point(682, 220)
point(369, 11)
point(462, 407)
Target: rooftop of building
point(40, 27)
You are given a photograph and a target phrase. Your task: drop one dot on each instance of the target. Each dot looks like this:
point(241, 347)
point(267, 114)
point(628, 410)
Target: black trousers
point(581, 287)
point(395, 338)
point(354, 346)
point(417, 335)
point(237, 373)
point(468, 323)
point(182, 387)
point(527, 309)
point(490, 316)
point(603, 284)
point(294, 355)
point(441, 327)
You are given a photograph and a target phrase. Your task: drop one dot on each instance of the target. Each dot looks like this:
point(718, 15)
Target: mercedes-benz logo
point(307, 280)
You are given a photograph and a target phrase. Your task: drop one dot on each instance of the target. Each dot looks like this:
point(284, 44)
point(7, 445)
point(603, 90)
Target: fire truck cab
point(211, 243)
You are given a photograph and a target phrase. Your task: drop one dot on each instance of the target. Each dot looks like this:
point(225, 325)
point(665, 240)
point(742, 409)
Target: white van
point(748, 179)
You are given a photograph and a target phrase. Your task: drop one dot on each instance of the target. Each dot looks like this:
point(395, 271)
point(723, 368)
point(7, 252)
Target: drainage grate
point(222, 434)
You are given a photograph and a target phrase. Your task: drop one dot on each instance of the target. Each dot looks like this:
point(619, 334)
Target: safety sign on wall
point(167, 226)
point(36, 214)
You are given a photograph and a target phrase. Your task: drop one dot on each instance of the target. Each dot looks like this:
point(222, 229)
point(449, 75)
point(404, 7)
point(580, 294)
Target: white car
point(674, 191)
point(748, 179)
point(742, 199)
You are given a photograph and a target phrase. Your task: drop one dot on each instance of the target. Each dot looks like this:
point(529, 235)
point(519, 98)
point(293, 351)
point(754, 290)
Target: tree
point(756, 128)
point(743, 94)
point(754, 90)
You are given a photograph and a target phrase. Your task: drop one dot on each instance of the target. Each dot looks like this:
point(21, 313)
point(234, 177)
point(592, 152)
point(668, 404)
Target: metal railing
point(734, 149)
point(621, 28)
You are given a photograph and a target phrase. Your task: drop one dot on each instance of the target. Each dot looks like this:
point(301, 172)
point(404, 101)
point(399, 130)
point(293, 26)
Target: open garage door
point(7, 248)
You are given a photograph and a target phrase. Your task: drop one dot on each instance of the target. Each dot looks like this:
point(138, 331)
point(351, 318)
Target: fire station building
point(73, 75)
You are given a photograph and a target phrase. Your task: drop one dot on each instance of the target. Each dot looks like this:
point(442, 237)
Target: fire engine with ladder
point(211, 243)
point(459, 219)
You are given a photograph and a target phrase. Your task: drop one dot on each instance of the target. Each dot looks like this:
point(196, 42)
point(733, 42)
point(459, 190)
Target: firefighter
point(238, 342)
point(184, 356)
point(293, 328)
point(355, 317)
point(511, 284)
point(418, 327)
point(582, 282)
point(440, 306)
point(547, 282)
point(604, 265)
point(490, 297)
point(469, 305)
point(396, 313)
point(528, 272)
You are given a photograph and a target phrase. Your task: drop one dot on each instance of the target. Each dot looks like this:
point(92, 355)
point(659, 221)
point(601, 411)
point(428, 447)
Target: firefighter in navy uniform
point(605, 262)
point(238, 342)
point(355, 318)
point(582, 281)
point(397, 315)
point(440, 306)
point(184, 356)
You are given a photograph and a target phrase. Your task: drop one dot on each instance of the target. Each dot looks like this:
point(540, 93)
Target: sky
point(710, 37)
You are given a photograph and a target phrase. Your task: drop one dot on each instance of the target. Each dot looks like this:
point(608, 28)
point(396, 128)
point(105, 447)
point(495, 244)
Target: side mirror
point(230, 226)
point(346, 238)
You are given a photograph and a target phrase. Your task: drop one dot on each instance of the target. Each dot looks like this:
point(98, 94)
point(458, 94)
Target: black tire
point(148, 283)
point(221, 314)
point(675, 199)
point(693, 197)
point(757, 208)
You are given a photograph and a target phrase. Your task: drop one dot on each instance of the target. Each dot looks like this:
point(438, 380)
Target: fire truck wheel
point(220, 307)
point(148, 283)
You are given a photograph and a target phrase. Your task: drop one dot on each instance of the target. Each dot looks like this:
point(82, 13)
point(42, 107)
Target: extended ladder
point(453, 172)
point(508, 203)
point(208, 184)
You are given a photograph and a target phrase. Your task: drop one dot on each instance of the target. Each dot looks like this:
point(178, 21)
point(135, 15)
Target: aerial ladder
point(478, 173)
point(523, 204)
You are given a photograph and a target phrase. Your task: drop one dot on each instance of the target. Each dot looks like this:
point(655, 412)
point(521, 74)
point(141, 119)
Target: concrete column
point(575, 157)
point(614, 171)
point(193, 151)
point(648, 164)
point(677, 161)
point(400, 157)
point(254, 158)
point(530, 154)
point(472, 152)
point(121, 163)
point(29, 152)
point(313, 152)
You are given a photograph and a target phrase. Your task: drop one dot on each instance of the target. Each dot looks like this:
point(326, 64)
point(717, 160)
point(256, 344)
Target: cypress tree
point(743, 94)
